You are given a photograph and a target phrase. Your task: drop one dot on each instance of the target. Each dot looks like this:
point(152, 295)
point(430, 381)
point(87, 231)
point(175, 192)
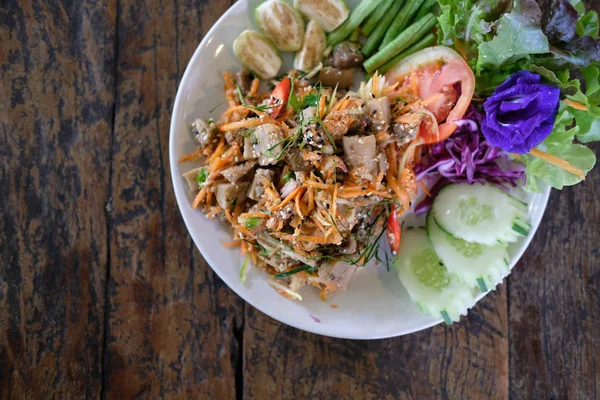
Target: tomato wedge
point(393, 231)
point(279, 97)
point(439, 71)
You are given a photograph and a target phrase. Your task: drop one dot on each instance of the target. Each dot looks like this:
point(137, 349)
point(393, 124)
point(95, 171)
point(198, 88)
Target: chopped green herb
point(288, 176)
point(252, 222)
point(311, 99)
point(244, 270)
point(303, 267)
point(201, 177)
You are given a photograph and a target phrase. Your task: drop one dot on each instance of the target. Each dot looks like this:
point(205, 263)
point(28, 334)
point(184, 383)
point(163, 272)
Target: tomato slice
point(438, 71)
point(279, 97)
point(393, 231)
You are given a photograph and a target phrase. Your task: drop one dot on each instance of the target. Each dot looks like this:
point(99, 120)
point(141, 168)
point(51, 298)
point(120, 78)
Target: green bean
point(427, 41)
point(425, 8)
point(401, 21)
point(376, 16)
point(377, 35)
point(409, 36)
point(358, 15)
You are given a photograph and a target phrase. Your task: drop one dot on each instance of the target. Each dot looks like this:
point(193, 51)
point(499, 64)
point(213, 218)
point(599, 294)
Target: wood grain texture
point(463, 361)
point(91, 242)
point(172, 325)
point(56, 107)
point(554, 299)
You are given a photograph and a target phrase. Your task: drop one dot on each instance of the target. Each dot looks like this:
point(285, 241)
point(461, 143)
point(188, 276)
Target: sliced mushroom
point(361, 154)
point(380, 113)
point(257, 189)
point(233, 174)
point(404, 133)
point(269, 144)
point(203, 132)
point(228, 194)
point(347, 55)
point(190, 178)
point(344, 78)
point(249, 143)
point(295, 158)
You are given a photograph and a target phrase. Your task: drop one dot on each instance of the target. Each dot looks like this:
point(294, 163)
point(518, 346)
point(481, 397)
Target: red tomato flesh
point(279, 97)
point(439, 71)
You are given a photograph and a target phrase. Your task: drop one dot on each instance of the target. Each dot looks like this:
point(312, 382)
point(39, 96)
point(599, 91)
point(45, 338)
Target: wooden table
point(103, 294)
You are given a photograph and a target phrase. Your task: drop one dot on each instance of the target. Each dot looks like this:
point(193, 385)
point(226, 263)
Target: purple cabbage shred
point(467, 157)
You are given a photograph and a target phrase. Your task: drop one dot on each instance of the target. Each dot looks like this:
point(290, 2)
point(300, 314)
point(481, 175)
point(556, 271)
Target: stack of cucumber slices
point(462, 249)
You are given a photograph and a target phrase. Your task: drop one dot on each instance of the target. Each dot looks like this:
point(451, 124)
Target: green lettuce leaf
point(518, 35)
point(588, 25)
point(578, 5)
point(559, 144)
point(538, 170)
point(587, 122)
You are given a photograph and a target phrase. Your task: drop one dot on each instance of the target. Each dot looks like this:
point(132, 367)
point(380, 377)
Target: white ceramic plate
point(375, 305)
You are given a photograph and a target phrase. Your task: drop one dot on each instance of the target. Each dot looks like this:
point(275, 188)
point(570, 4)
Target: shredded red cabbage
point(466, 157)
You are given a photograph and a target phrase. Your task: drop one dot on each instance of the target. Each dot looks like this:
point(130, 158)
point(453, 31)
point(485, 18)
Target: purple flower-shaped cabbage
point(521, 112)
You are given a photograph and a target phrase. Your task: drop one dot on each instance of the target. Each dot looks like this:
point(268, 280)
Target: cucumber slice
point(329, 14)
point(480, 213)
point(428, 282)
point(281, 23)
point(473, 263)
point(254, 51)
point(315, 43)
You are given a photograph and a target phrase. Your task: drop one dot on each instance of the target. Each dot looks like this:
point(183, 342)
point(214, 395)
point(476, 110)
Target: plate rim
point(181, 197)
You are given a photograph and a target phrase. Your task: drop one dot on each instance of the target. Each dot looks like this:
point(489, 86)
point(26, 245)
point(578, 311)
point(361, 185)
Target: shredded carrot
point(235, 243)
point(334, 200)
point(401, 194)
point(311, 199)
point(229, 89)
point(193, 156)
point(313, 239)
point(245, 123)
point(237, 210)
point(287, 199)
point(379, 176)
point(245, 231)
point(559, 162)
point(388, 89)
point(199, 197)
point(209, 197)
point(576, 105)
point(390, 153)
point(297, 200)
point(461, 49)
point(318, 223)
point(214, 211)
point(340, 105)
point(266, 118)
point(413, 82)
point(218, 151)
point(382, 136)
point(425, 190)
point(234, 109)
point(244, 249)
point(229, 217)
point(316, 185)
point(254, 87)
point(375, 84)
point(322, 106)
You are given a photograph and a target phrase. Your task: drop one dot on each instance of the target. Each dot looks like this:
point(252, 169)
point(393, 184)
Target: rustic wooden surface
point(102, 293)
